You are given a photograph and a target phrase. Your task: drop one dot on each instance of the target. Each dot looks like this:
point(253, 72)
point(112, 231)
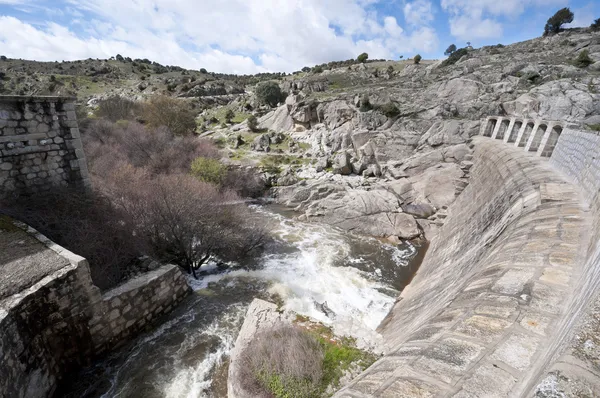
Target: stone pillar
point(509, 129)
point(536, 126)
point(483, 127)
point(497, 129)
point(545, 138)
point(521, 132)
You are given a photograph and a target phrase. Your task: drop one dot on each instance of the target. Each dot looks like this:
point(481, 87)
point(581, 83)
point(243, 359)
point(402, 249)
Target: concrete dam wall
point(505, 303)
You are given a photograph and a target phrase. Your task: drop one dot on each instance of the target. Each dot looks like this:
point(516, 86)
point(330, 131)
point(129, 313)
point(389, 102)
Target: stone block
point(487, 381)
point(446, 360)
point(517, 351)
point(481, 327)
point(513, 281)
point(409, 388)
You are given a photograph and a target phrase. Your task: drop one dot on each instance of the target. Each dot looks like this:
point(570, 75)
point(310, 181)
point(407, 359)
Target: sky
point(253, 36)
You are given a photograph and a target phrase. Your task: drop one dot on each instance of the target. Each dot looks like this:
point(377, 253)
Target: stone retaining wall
point(129, 308)
point(491, 305)
point(59, 324)
point(40, 145)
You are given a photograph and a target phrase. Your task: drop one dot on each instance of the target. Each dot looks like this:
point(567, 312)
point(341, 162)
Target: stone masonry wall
point(40, 145)
point(131, 307)
point(44, 333)
point(490, 306)
point(56, 326)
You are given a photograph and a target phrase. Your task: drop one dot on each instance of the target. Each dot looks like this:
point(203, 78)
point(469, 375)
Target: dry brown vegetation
point(87, 223)
point(282, 362)
point(145, 200)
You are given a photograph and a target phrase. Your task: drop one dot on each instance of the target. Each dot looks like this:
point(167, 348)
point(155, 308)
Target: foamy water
point(313, 266)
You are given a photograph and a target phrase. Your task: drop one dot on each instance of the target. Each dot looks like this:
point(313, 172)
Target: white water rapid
point(311, 267)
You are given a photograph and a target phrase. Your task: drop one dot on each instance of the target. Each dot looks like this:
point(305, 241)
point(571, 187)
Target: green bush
point(451, 48)
point(417, 59)
point(209, 170)
point(252, 122)
point(317, 69)
point(269, 93)
point(583, 60)
point(390, 110)
point(229, 114)
point(596, 24)
point(556, 21)
point(455, 56)
point(362, 58)
point(365, 104)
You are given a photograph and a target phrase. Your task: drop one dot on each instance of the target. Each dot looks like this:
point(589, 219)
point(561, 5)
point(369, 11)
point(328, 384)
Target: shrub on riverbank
point(301, 360)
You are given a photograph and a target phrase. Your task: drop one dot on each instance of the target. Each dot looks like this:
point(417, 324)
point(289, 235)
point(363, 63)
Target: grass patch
point(273, 163)
point(339, 354)
point(219, 114)
point(594, 127)
point(6, 224)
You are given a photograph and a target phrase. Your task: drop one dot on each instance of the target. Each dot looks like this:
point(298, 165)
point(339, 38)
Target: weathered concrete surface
point(23, 261)
point(576, 372)
point(491, 305)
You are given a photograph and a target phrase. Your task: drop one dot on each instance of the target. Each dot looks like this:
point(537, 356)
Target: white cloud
point(419, 12)
point(241, 36)
point(479, 19)
point(466, 28)
point(391, 27)
point(584, 16)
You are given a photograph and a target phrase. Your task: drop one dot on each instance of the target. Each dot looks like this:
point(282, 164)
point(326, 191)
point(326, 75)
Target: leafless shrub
point(156, 149)
point(184, 220)
point(284, 359)
point(86, 223)
point(117, 108)
point(172, 113)
point(245, 182)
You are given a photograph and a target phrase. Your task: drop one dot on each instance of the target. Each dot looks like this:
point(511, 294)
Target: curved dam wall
point(59, 323)
point(508, 288)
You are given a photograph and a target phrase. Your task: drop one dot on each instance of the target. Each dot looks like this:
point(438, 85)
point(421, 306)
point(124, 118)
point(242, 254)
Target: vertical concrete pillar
point(536, 126)
point(521, 132)
point(509, 129)
point(484, 124)
point(497, 129)
point(545, 138)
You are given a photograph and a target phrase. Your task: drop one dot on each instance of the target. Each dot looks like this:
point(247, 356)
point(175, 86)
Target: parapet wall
point(495, 306)
point(40, 145)
point(59, 324)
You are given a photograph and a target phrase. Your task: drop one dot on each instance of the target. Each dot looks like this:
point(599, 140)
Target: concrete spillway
point(504, 303)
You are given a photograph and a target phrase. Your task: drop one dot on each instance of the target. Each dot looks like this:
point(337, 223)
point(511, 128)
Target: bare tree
point(87, 223)
point(187, 221)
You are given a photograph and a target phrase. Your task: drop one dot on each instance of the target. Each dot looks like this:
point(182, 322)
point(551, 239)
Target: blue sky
point(250, 36)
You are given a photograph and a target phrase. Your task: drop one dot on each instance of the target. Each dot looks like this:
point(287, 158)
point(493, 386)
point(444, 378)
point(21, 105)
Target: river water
point(309, 265)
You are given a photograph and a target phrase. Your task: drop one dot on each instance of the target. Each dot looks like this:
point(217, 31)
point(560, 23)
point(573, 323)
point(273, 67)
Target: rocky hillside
point(380, 148)
point(387, 143)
